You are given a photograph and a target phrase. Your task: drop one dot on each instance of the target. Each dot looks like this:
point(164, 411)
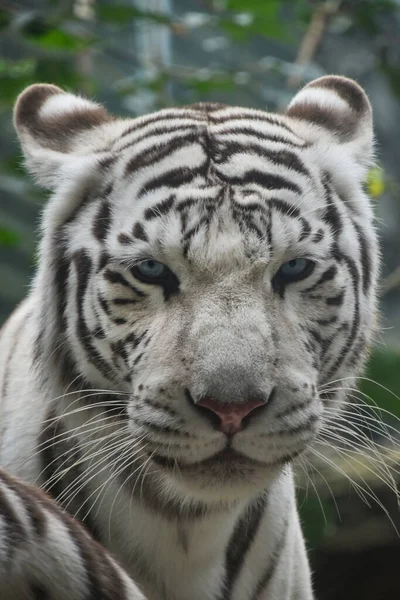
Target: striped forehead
point(182, 172)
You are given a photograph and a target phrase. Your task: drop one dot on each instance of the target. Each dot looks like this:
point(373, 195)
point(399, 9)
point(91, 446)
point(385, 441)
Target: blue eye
point(147, 270)
point(295, 270)
point(154, 272)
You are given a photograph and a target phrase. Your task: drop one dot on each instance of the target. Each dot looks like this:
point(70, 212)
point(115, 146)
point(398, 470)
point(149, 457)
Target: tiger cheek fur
point(207, 282)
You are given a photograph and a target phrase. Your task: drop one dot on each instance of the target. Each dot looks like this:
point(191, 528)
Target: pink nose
point(230, 414)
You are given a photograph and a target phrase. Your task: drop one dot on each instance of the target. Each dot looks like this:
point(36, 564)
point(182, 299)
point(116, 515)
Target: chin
point(227, 476)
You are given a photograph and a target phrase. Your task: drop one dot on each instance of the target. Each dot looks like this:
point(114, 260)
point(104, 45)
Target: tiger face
point(214, 265)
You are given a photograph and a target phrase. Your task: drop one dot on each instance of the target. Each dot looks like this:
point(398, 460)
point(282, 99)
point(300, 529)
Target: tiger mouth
point(227, 457)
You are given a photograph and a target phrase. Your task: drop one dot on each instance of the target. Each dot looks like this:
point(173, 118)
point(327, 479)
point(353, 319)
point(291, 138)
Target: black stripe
point(124, 239)
point(265, 137)
point(116, 277)
point(103, 580)
point(123, 301)
point(284, 207)
point(139, 232)
point(162, 208)
point(365, 257)
point(305, 229)
point(336, 300)
point(240, 543)
point(83, 265)
point(326, 322)
point(33, 509)
point(160, 118)
point(293, 408)
point(104, 304)
point(331, 215)
point(158, 151)
point(285, 158)
point(173, 178)
point(318, 236)
point(327, 275)
point(248, 116)
point(354, 330)
point(269, 571)
point(101, 222)
point(265, 180)
point(15, 533)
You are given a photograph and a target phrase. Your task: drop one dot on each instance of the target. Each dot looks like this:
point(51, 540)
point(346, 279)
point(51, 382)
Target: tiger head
point(211, 268)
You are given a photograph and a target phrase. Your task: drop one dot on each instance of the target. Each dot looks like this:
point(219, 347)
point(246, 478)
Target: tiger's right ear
point(52, 126)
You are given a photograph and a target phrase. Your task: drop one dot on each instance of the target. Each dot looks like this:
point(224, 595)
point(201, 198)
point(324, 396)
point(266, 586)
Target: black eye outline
point(282, 278)
point(165, 278)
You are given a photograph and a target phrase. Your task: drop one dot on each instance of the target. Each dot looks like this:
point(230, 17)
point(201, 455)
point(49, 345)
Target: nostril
point(227, 416)
point(205, 412)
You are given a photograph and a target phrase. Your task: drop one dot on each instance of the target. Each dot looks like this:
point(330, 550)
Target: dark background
point(140, 55)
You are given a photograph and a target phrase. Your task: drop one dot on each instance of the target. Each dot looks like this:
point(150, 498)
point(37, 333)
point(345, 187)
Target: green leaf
point(8, 237)
point(57, 39)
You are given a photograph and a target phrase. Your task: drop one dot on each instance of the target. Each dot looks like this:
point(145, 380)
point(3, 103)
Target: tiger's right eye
point(295, 270)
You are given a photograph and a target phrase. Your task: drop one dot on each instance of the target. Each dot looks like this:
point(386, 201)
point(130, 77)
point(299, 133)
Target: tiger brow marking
point(261, 136)
point(173, 178)
point(156, 153)
point(160, 118)
point(265, 180)
point(281, 157)
point(245, 116)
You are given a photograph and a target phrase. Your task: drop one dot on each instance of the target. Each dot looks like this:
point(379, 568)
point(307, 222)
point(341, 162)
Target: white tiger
point(205, 272)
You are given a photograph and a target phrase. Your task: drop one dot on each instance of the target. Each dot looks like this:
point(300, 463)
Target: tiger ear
point(339, 106)
point(52, 125)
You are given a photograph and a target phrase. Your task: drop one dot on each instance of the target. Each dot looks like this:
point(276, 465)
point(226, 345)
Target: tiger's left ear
point(340, 107)
point(52, 126)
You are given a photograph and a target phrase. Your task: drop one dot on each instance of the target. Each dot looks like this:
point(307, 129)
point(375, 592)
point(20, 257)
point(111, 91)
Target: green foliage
point(255, 17)
point(8, 237)
point(121, 13)
point(381, 385)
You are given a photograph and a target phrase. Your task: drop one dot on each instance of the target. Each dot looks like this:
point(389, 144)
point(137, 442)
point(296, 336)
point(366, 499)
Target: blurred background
point(136, 56)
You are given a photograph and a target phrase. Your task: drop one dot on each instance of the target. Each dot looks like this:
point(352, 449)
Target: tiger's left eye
point(295, 270)
point(156, 273)
point(150, 270)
